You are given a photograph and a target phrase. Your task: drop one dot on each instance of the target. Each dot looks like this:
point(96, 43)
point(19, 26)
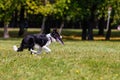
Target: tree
point(88, 11)
point(66, 11)
point(114, 17)
point(91, 10)
point(22, 20)
point(60, 11)
point(43, 7)
point(21, 9)
point(6, 10)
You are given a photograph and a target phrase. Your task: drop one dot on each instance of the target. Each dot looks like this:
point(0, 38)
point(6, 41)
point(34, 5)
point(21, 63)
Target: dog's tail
point(15, 48)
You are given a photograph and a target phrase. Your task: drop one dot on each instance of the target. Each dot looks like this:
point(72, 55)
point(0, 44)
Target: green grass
point(76, 60)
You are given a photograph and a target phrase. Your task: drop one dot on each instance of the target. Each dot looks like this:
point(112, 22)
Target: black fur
point(42, 40)
point(30, 40)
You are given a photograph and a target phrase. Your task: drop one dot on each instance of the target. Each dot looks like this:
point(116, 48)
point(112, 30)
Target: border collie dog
point(39, 41)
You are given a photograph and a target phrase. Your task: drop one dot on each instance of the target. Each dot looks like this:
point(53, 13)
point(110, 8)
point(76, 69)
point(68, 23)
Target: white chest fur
point(50, 38)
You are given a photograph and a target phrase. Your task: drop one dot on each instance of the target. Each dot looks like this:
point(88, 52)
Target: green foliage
point(59, 7)
point(103, 9)
point(67, 10)
point(7, 8)
point(38, 7)
point(64, 9)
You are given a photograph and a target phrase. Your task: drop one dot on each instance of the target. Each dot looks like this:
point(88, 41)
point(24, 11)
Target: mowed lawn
point(76, 60)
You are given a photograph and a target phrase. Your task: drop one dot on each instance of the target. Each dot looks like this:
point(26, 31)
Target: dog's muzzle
point(60, 40)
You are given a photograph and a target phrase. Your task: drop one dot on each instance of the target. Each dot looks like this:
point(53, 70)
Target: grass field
point(76, 60)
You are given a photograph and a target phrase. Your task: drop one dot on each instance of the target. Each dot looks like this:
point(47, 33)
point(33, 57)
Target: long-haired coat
point(39, 41)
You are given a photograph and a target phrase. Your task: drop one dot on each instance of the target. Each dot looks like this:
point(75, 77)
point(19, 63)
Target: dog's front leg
point(36, 52)
point(46, 49)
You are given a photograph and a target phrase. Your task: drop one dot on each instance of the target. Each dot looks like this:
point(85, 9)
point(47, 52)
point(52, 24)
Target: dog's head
point(57, 36)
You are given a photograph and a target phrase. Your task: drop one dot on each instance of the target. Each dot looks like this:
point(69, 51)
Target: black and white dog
point(39, 41)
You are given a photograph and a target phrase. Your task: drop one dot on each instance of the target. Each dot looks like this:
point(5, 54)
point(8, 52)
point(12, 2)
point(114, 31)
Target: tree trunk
point(84, 30)
point(61, 27)
point(101, 26)
point(21, 24)
point(109, 27)
point(90, 32)
point(90, 28)
point(87, 34)
point(13, 22)
point(101, 31)
point(6, 33)
point(43, 25)
point(91, 22)
point(16, 17)
point(84, 33)
point(110, 20)
point(108, 34)
point(45, 28)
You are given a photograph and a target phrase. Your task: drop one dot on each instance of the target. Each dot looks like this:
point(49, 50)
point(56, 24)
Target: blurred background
point(85, 15)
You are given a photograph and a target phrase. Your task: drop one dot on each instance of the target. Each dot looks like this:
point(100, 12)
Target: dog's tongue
point(60, 41)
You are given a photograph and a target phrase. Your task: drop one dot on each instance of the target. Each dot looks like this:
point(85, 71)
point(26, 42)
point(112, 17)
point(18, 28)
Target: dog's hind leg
point(17, 49)
point(20, 48)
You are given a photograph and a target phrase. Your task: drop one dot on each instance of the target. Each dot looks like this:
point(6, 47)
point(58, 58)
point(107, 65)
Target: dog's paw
point(15, 48)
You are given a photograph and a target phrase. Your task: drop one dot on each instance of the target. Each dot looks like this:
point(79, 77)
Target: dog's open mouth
point(60, 41)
